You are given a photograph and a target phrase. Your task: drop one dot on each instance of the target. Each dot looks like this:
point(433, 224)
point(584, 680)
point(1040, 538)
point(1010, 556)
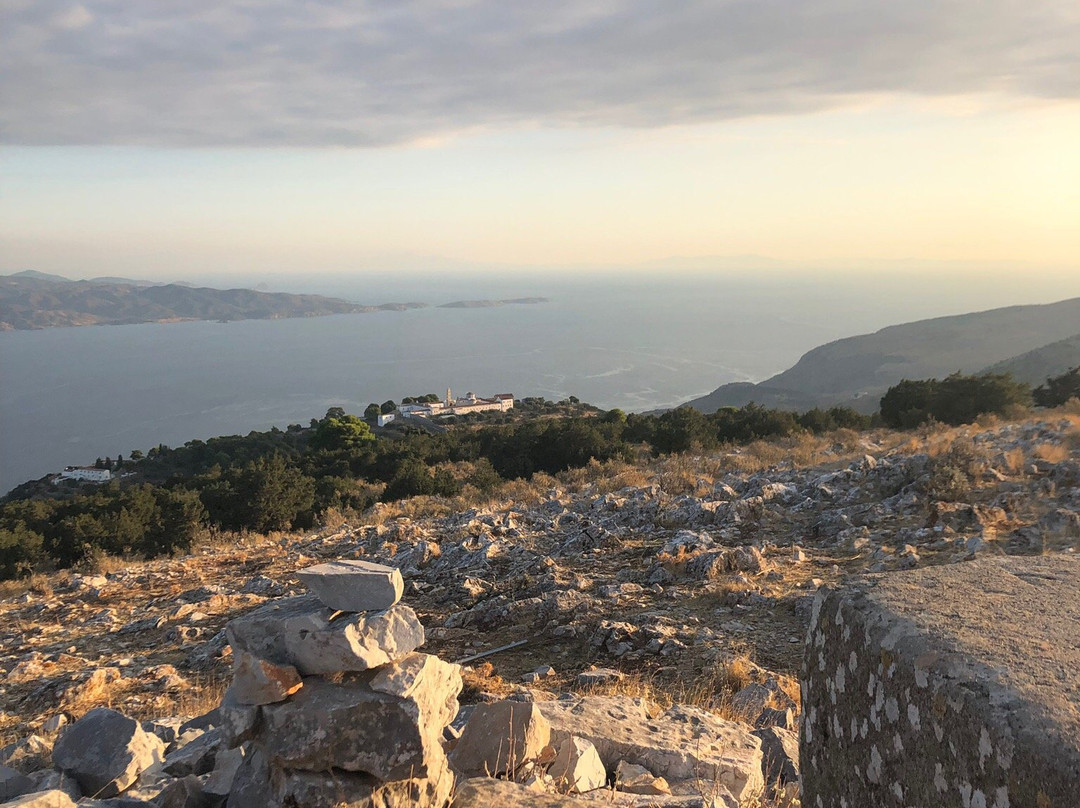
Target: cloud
point(282, 73)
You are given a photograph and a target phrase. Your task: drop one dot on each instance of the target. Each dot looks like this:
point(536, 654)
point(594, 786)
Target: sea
point(639, 342)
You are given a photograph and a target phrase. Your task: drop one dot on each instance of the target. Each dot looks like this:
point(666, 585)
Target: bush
point(955, 400)
point(1057, 391)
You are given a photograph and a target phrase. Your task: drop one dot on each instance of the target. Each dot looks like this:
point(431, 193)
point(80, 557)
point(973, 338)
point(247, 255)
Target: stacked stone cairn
point(330, 702)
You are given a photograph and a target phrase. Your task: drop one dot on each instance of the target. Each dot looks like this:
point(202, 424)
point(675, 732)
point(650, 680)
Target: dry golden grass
point(711, 690)
point(1014, 460)
point(1051, 452)
point(481, 679)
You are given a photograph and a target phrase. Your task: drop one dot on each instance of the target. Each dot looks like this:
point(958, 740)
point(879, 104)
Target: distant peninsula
point(485, 304)
point(34, 300)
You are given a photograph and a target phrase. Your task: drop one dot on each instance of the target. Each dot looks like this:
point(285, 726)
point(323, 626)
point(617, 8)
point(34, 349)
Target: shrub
point(955, 400)
point(1057, 391)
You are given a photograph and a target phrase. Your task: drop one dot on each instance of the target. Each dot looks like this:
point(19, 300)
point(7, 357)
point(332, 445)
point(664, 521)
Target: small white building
point(383, 420)
point(87, 473)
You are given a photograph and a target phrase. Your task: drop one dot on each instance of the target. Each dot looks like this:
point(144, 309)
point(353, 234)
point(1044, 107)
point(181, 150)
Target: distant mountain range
point(1032, 342)
point(33, 300)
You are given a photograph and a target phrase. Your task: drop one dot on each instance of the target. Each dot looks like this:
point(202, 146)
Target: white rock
point(354, 586)
point(577, 766)
point(299, 632)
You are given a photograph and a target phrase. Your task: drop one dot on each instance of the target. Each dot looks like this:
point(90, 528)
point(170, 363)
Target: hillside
point(687, 582)
point(1035, 367)
point(857, 370)
point(31, 301)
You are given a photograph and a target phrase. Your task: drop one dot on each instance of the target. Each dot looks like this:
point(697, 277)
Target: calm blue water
point(69, 395)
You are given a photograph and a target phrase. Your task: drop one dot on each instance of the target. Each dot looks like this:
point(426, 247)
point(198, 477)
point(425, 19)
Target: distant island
point(484, 304)
point(34, 300)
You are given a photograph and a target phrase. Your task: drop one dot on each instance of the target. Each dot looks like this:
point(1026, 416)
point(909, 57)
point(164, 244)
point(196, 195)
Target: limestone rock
point(186, 792)
point(354, 727)
point(42, 799)
point(635, 779)
point(780, 760)
point(299, 632)
point(106, 751)
point(599, 676)
point(237, 722)
point(27, 754)
point(500, 737)
point(434, 685)
point(577, 767)
point(52, 780)
point(217, 786)
point(259, 681)
point(13, 784)
point(486, 792)
point(354, 586)
point(259, 784)
point(682, 744)
point(195, 757)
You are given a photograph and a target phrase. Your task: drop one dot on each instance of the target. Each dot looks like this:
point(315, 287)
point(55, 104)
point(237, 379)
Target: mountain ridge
point(857, 370)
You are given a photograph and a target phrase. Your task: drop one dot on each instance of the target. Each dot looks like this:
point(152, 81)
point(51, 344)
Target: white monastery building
point(88, 473)
point(500, 402)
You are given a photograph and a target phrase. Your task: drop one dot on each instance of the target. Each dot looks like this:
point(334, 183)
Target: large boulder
point(354, 586)
point(105, 751)
point(386, 723)
point(260, 784)
point(951, 685)
point(500, 738)
point(683, 743)
point(300, 632)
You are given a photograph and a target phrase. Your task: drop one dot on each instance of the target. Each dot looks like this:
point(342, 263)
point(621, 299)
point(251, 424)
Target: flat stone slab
point(955, 685)
point(354, 586)
point(684, 743)
point(299, 632)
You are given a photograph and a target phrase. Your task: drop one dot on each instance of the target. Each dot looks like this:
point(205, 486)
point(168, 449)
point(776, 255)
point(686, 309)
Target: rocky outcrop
point(952, 685)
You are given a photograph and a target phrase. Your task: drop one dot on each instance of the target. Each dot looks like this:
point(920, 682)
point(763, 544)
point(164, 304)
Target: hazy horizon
point(169, 138)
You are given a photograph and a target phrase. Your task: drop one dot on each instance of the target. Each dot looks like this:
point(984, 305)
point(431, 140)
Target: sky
point(173, 139)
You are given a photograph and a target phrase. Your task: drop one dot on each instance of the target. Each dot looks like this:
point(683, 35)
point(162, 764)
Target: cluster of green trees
point(956, 399)
point(960, 399)
point(282, 479)
point(141, 519)
point(1059, 390)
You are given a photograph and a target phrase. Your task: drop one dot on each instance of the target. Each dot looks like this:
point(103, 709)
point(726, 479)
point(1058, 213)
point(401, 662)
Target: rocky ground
point(687, 580)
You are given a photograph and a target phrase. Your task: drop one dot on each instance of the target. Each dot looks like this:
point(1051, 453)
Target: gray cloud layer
point(284, 72)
